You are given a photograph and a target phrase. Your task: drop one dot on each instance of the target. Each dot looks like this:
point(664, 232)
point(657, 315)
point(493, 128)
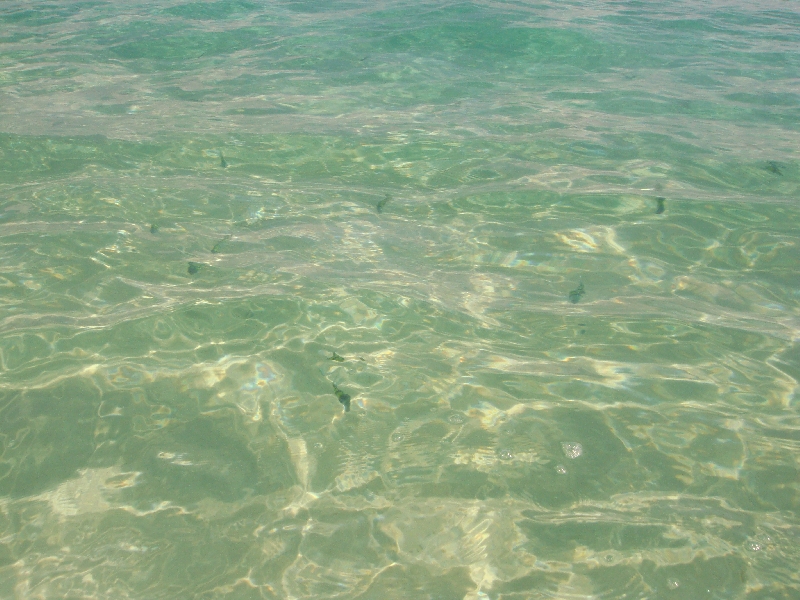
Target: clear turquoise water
point(203, 205)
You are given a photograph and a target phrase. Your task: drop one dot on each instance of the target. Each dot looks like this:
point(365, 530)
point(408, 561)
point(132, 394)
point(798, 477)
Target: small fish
point(218, 246)
point(336, 357)
point(773, 168)
point(576, 294)
point(660, 205)
point(193, 268)
point(222, 162)
point(343, 398)
point(379, 206)
point(154, 228)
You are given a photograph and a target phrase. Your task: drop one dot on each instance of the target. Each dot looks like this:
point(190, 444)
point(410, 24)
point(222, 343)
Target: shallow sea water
point(215, 215)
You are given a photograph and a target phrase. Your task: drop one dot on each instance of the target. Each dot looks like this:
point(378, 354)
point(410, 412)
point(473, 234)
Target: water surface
point(548, 250)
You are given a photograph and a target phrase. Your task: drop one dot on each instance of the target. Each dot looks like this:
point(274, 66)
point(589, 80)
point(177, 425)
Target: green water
point(549, 251)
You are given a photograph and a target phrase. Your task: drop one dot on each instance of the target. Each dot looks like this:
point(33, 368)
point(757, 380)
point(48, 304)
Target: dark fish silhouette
point(576, 294)
point(379, 206)
point(660, 205)
point(222, 162)
point(773, 168)
point(218, 246)
point(193, 268)
point(336, 357)
point(343, 398)
point(154, 228)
